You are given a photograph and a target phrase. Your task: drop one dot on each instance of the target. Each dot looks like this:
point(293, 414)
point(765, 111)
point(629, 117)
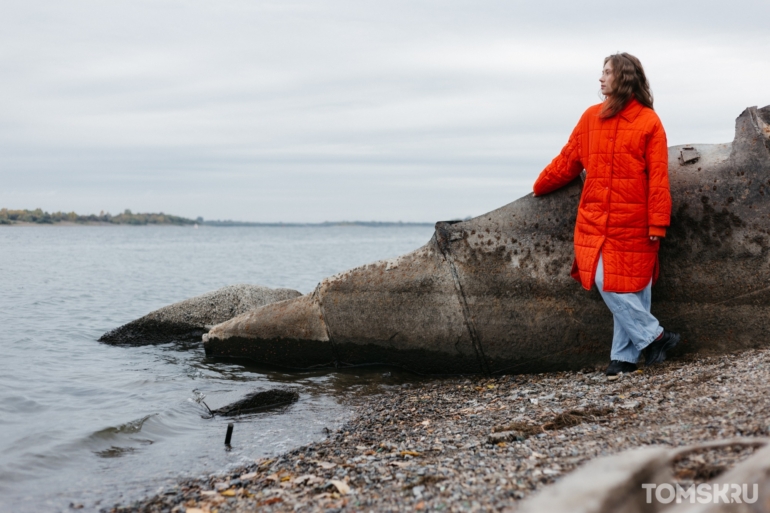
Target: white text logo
point(703, 493)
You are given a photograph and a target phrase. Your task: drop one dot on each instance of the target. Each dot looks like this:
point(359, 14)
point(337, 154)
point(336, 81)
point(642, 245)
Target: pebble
point(482, 443)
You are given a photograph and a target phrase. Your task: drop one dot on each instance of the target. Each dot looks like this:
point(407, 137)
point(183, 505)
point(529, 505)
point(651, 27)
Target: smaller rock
point(188, 320)
point(258, 401)
point(341, 486)
point(505, 436)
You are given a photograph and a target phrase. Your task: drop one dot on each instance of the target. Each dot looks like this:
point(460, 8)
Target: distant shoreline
point(316, 225)
point(38, 217)
point(218, 224)
point(21, 224)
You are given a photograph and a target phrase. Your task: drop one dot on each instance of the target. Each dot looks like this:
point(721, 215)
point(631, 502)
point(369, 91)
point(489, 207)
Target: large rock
point(191, 318)
point(494, 294)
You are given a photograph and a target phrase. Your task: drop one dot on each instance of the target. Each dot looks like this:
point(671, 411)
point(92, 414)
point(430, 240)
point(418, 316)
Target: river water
point(84, 423)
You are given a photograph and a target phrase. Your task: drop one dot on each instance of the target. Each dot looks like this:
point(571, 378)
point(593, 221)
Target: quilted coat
point(625, 198)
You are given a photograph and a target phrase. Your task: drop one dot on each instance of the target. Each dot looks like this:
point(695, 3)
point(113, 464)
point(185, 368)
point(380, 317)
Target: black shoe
point(656, 352)
point(617, 367)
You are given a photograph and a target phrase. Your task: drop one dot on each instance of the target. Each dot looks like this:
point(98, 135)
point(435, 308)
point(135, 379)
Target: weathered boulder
point(191, 318)
point(494, 294)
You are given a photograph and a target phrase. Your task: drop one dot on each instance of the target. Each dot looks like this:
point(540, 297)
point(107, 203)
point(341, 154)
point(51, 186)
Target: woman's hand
point(653, 238)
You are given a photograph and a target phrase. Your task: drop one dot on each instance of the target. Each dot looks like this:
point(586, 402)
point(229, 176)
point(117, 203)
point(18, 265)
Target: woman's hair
point(628, 80)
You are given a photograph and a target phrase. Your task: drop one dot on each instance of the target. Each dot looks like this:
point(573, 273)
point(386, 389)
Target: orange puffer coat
point(625, 199)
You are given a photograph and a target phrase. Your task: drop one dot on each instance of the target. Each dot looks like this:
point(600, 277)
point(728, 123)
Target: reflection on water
point(94, 424)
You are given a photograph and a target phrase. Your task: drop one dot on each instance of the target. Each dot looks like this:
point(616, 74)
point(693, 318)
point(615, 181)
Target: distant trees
point(38, 216)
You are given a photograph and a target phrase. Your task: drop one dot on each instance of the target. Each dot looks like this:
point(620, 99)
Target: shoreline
point(428, 446)
point(66, 224)
point(223, 225)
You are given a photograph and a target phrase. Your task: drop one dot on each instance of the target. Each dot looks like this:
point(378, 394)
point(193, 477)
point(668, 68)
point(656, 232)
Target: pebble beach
point(480, 443)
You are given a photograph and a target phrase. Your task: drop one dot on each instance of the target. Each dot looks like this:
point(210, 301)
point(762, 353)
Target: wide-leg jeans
point(635, 326)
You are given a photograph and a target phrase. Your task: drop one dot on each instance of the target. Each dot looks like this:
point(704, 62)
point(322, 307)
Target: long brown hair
point(628, 80)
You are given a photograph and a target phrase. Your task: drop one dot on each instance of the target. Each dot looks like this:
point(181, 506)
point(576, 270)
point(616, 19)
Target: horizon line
point(39, 216)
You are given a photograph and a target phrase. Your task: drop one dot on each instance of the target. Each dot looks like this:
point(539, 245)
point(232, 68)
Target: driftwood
point(614, 484)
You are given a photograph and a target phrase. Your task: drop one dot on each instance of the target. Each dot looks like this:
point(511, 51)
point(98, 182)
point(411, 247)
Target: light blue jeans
point(635, 326)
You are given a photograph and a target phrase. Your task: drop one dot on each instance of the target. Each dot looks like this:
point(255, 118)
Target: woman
point(624, 209)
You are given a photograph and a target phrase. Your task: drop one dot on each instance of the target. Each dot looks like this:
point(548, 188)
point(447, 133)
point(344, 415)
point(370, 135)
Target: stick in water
point(229, 434)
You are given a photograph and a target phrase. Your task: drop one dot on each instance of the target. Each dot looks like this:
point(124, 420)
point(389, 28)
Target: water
point(86, 423)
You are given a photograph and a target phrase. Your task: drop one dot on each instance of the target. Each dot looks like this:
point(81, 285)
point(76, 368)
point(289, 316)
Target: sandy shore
point(437, 447)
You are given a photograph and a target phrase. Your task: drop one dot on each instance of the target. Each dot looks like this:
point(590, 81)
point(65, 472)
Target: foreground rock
point(257, 401)
point(188, 320)
point(628, 482)
point(494, 294)
point(426, 447)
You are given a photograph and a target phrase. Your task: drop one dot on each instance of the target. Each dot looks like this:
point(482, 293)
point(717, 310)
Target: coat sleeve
point(658, 192)
point(564, 168)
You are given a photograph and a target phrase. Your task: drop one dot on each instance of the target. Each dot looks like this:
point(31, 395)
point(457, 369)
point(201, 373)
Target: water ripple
point(85, 422)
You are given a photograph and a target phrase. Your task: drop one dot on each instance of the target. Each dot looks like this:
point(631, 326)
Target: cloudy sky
point(340, 110)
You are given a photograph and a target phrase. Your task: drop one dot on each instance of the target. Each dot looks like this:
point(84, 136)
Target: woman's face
point(606, 79)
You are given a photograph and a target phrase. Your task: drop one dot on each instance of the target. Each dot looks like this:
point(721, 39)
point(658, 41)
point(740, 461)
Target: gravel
point(473, 444)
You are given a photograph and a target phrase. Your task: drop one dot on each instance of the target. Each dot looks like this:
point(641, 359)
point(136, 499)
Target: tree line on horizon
point(38, 216)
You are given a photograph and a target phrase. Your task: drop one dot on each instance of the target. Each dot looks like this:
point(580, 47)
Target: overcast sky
point(340, 110)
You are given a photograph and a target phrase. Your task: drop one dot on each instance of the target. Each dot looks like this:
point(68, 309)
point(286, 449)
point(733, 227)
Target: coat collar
point(631, 110)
